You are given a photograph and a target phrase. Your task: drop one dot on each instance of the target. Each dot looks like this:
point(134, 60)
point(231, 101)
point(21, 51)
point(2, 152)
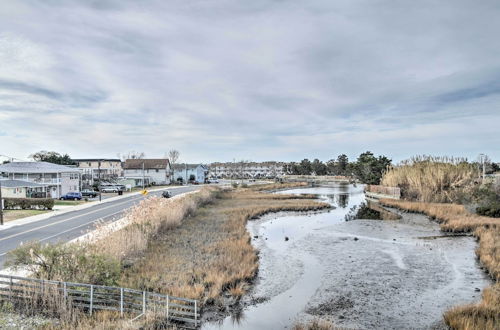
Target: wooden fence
point(383, 191)
point(91, 298)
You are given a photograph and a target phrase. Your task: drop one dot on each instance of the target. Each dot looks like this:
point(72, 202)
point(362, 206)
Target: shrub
point(65, 262)
point(234, 185)
point(29, 203)
point(492, 210)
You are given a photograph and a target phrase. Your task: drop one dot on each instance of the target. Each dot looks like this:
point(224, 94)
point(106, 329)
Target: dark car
point(89, 193)
point(76, 196)
point(166, 194)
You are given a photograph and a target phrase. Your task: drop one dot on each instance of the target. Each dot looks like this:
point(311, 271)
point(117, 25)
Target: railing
point(91, 298)
point(384, 191)
point(45, 180)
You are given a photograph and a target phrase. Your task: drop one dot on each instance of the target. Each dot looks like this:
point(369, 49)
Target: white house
point(56, 179)
point(93, 169)
point(247, 170)
point(152, 171)
point(190, 172)
point(21, 189)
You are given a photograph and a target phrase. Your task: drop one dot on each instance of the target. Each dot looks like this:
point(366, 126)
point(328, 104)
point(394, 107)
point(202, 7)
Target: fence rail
point(390, 192)
point(91, 298)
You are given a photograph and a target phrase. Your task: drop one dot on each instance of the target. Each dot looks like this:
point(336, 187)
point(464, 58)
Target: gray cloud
point(251, 79)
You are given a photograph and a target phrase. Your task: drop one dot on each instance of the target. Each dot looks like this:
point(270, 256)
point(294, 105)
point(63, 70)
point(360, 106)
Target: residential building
point(251, 170)
point(190, 172)
point(93, 169)
point(21, 189)
point(152, 171)
point(56, 179)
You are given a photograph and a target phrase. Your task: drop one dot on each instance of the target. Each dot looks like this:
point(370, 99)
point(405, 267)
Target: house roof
point(19, 184)
point(97, 159)
point(35, 167)
point(136, 164)
point(181, 167)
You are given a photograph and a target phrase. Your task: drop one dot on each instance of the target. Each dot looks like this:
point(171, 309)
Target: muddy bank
point(360, 274)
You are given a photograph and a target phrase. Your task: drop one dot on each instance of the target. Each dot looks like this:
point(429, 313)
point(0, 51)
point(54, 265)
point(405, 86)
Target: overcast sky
point(255, 80)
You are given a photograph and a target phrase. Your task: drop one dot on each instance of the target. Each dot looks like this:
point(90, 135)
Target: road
point(70, 225)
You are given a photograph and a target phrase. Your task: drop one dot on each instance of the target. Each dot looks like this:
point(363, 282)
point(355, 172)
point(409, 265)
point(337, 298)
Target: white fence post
point(121, 302)
point(10, 287)
point(168, 301)
point(91, 298)
point(144, 302)
point(195, 313)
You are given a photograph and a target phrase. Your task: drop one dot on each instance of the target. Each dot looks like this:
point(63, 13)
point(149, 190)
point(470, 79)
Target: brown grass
point(316, 324)
point(150, 217)
point(211, 252)
point(432, 179)
point(278, 186)
point(452, 217)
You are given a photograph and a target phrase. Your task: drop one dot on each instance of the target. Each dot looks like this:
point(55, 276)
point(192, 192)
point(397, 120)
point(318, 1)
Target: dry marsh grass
point(210, 255)
point(315, 324)
point(431, 179)
point(146, 220)
point(278, 186)
point(452, 217)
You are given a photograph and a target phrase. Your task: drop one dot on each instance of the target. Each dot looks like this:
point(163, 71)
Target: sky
point(250, 80)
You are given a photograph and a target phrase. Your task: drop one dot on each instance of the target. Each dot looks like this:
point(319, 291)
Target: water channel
point(385, 271)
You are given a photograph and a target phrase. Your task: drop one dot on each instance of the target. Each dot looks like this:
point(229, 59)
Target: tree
point(342, 164)
point(369, 169)
point(133, 155)
point(173, 157)
point(52, 157)
point(305, 167)
point(318, 167)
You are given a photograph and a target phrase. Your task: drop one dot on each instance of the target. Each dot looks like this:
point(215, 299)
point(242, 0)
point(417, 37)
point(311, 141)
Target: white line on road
point(64, 220)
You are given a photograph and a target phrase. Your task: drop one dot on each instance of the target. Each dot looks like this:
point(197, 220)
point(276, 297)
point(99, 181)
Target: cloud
point(249, 80)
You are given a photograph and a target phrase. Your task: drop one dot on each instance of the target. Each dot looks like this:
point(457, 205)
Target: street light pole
point(1, 203)
point(99, 179)
point(143, 178)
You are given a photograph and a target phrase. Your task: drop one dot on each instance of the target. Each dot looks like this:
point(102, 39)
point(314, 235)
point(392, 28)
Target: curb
point(47, 215)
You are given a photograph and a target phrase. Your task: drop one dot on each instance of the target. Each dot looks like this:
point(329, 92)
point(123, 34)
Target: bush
point(234, 185)
point(29, 203)
point(492, 210)
point(65, 262)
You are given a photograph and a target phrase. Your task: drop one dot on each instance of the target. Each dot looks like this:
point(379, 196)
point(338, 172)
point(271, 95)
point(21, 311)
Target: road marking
point(68, 219)
point(85, 224)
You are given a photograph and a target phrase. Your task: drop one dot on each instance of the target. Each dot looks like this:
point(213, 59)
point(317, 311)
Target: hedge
point(28, 203)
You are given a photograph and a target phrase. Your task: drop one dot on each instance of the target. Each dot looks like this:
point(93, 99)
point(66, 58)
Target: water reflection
point(342, 200)
point(370, 211)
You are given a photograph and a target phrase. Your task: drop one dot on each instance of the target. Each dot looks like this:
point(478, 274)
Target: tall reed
point(432, 179)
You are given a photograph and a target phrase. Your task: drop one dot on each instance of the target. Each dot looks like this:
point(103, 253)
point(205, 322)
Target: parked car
point(213, 180)
point(76, 196)
point(89, 193)
point(166, 194)
point(112, 189)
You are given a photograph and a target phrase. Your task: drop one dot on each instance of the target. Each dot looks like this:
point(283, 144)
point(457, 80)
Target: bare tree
point(173, 157)
point(133, 155)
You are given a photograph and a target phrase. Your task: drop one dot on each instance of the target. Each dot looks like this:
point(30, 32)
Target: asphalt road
point(71, 225)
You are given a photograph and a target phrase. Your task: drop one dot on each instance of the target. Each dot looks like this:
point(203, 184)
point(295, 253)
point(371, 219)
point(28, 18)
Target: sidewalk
point(68, 209)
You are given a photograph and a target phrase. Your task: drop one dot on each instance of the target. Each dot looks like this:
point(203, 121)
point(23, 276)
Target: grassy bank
point(9, 215)
point(486, 314)
point(210, 255)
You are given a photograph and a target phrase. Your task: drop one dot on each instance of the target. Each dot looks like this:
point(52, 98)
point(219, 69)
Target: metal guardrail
point(98, 297)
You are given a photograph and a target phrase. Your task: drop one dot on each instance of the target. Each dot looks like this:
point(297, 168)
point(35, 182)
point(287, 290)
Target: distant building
point(152, 171)
point(190, 172)
point(21, 189)
point(94, 168)
point(57, 180)
point(250, 170)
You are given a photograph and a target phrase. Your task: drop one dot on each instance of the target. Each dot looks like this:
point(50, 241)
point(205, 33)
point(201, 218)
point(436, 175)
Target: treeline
point(367, 168)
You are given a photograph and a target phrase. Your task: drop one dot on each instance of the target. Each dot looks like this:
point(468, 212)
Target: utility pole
point(99, 178)
point(483, 161)
point(143, 177)
point(1, 203)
